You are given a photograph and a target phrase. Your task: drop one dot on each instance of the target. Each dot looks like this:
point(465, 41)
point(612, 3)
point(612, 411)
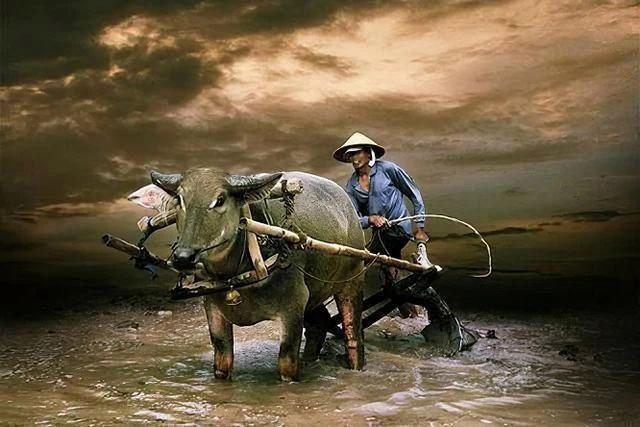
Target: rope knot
point(302, 236)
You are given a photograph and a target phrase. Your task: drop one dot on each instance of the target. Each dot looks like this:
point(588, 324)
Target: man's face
point(359, 158)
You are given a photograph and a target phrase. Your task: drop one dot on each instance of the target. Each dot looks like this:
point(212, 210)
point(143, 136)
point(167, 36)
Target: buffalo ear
point(169, 182)
point(252, 187)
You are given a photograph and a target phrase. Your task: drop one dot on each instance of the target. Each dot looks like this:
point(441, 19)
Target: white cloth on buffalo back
point(153, 197)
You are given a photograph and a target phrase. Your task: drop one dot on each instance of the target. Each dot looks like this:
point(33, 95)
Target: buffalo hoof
point(358, 366)
point(222, 375)
point(288, 379)
point(344, 362)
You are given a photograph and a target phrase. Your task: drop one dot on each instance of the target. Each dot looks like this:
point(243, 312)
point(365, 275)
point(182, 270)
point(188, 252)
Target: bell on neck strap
point(233, 297)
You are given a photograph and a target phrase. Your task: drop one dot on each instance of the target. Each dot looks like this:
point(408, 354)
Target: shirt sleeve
point(408, 187)
point(364, 219)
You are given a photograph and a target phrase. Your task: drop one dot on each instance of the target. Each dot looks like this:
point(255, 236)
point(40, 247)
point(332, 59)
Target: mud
point(149, 361)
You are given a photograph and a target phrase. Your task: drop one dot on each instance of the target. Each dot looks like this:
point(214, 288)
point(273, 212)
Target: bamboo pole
point(134, 251)
point(330, 248)
point(254, 248)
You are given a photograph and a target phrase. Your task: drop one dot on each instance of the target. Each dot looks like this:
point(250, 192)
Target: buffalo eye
point(219, 201)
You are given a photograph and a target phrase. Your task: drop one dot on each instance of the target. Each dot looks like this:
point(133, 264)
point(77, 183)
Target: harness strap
point(205, 287)
point(251, 276)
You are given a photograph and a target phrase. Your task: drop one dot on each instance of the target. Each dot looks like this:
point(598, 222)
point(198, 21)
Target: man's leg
point(392, 245)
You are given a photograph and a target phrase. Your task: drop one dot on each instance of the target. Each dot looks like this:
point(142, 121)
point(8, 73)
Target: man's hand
point(420, 234)
point(378, 221)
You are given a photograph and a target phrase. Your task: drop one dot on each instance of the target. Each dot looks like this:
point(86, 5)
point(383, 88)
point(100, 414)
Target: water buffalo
point(211, 206)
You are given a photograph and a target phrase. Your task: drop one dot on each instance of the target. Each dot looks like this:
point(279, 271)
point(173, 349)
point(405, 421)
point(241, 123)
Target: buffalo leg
point(290, 339)
point(350, 307)
point(221, 333)
point(316, 323)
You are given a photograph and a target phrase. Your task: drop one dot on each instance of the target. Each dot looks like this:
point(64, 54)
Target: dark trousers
point(388, 241)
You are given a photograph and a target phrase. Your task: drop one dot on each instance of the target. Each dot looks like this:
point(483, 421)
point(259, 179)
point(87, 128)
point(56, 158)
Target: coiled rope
point(422, 216)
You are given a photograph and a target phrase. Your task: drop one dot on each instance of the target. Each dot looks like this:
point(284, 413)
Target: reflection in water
point(132, 366)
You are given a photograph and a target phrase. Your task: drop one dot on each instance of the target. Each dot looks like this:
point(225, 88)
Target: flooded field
point(139, 361)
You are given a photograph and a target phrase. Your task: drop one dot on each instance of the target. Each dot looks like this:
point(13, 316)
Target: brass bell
point(233, 297)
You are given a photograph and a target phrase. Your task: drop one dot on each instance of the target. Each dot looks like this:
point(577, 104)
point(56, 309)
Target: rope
point(399, 220)
point(287, 222)
point(377, 233)
point(289, 207)
point(244, 249)
point(364, 269)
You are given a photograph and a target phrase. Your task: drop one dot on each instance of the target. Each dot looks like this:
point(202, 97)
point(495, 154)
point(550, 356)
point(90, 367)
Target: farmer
point(376, 189)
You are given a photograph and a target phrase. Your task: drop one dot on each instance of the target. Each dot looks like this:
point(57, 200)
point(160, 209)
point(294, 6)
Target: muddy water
point(135, 365)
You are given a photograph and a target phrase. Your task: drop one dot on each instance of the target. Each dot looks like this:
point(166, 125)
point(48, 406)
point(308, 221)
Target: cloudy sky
point(519, 116)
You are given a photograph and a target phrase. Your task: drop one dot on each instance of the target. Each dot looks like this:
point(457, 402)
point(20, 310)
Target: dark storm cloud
point(225, 19)
point(514, 192)
point(222, 19)
point(330, 63)
point(81, 124)
point(90, 118)
point(251, 16)
point(528, 151)
point(110, 161)
point(87, 170)
point(76, 126)
point(26, 217)
point(48, 40)
point(593, 216)
point(75, 139)
point(163, 77)
point(13, 243)
point(15, 237)
point(500, 126)
point(149, 78)
point(45, 40)
point(497, 232)
point(34, 175)
point(56, 211)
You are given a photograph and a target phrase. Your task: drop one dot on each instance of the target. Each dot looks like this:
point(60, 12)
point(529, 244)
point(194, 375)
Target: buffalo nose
point(184, 257)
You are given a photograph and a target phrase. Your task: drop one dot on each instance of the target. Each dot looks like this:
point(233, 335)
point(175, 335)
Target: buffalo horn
point(169, 182)
point(253, 187)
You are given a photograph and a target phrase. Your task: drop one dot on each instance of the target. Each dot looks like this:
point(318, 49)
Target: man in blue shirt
point(376, 189)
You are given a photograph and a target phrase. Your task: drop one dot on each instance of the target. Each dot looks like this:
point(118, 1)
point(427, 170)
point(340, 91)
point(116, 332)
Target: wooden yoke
point(254, 248)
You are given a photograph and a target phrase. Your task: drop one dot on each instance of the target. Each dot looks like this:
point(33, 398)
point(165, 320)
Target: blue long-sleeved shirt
point(388, 182)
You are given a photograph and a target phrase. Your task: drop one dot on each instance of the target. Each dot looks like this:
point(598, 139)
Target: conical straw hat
point(355, 141)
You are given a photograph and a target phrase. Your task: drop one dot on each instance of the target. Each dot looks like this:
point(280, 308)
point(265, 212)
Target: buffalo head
point(210, 204)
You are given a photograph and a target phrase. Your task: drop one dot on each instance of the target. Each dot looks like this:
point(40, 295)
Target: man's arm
point(364, 219)
point(407, 186)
